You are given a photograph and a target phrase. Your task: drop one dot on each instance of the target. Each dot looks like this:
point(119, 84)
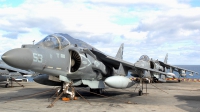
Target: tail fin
point(166, 58)
point(120, 52)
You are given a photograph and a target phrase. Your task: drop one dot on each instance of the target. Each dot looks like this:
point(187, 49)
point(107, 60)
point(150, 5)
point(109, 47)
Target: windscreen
point(144, 58)
point(54, 41)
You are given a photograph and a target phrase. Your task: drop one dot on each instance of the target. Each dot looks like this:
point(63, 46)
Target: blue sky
point(195, 3)
point(12, 3)
point(146, 27)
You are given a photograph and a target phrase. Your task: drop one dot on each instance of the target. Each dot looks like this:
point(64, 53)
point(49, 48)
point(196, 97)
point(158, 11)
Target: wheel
point(140, 92)
point(91, 90)
point(6, 86)
point(100, 91)
point(72, 95)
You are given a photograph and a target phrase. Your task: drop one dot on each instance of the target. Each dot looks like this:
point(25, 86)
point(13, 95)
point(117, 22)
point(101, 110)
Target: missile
point(119, 82)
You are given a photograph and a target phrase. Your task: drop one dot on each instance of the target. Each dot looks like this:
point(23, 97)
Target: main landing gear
point(140, 92)
point(98, 91)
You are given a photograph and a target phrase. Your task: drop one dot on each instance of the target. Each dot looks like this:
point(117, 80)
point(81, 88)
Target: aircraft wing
point(175, 68)
point(114, 62)
point(104, 58)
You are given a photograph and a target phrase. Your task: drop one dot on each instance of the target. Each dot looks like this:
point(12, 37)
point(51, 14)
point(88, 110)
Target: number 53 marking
point(37, 57)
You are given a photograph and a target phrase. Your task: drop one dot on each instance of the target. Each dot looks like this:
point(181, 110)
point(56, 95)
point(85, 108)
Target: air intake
point(75, 61)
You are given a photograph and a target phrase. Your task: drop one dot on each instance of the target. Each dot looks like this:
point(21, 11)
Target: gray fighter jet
point(145, 62)
point(66, 61)
point(7, 72)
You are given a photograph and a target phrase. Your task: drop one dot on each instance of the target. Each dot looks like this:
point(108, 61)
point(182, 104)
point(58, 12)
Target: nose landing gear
point(68, 89)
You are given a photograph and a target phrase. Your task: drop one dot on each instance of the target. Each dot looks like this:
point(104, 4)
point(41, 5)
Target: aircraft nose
point(139, 64)
point(19, 58)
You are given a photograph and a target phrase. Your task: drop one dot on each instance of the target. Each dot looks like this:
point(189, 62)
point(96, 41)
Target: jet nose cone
point(139, 64)
point(19, 58)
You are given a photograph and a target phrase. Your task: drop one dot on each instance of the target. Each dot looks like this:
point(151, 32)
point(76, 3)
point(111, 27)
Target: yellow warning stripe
point(171, 79)
point(176, 79)
point(133, 78)
point(186, 80)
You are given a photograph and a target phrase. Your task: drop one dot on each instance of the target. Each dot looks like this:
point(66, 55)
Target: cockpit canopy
point(54, 41)
point(144, 58)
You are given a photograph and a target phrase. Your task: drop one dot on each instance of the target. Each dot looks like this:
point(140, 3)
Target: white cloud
point(157, 27)
point(25, 38)
point(167, 3)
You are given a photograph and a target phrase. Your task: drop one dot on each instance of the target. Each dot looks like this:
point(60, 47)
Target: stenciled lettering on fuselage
point(37, 57)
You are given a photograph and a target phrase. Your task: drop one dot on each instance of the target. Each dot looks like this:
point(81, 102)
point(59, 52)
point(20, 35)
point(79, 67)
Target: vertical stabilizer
point(120, 52)
point(166, 58)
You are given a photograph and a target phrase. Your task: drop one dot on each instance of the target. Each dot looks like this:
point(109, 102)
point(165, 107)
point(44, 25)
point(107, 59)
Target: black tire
point(140, 93)
point(92, 90)
point(73, 93)
point(6, 86)
point(100, 91)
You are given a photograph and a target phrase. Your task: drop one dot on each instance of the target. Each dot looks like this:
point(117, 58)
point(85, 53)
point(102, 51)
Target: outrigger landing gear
point(140, 92)
point(7, 83)
point(6, 86)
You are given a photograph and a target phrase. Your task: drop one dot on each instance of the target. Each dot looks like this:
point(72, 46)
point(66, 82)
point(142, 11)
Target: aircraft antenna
point(33, 42)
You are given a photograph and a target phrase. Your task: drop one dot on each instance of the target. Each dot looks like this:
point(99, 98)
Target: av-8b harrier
point(66, 61)
point(145, 62)
point(7, 72)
